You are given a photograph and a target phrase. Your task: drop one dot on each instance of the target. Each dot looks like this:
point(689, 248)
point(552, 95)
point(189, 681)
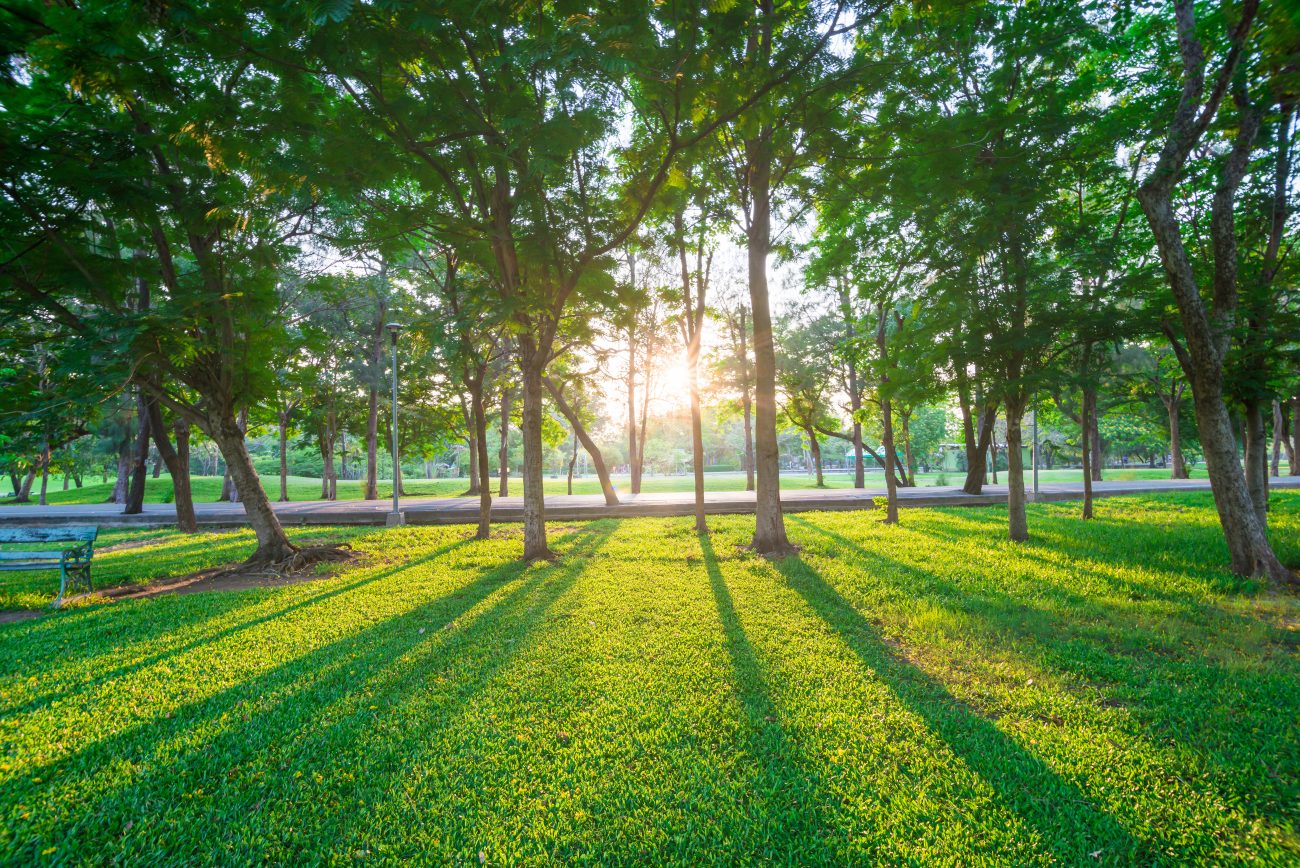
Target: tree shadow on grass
point(1069, 826)
point(1175, 692)
point(792, 808)
point(426, 718)
point(168, 557)
point(292, 709)
point(32, 659)
point(1196, 550)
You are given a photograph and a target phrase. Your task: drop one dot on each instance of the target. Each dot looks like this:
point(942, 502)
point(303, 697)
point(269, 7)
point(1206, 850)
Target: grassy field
point(922, 694)
point(208, 488)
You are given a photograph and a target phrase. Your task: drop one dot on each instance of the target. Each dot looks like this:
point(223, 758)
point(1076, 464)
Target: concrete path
point(464, 510)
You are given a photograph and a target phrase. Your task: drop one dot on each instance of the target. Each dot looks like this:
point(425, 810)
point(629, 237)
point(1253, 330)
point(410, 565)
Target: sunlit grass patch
point(926, 693)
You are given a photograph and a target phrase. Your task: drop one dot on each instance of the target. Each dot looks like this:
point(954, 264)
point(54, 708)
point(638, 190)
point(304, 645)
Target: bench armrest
point(83, 552)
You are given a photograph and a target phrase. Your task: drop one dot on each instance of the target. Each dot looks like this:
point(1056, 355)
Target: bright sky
point(670, 390)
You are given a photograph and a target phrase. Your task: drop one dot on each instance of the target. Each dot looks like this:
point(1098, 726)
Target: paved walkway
point(464, 510)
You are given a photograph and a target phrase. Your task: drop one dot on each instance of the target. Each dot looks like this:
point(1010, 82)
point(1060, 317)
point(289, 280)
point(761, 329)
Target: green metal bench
point(71, 562)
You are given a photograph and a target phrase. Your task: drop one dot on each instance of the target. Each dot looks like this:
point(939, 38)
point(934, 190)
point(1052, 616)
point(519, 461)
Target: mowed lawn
point(922, 694)
point(208, 488)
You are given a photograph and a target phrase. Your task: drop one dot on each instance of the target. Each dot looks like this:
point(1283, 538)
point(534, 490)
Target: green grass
point(920, 694)
point(208, 488)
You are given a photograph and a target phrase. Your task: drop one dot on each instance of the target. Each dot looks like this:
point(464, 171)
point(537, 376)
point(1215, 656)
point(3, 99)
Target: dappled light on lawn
point(926, 692)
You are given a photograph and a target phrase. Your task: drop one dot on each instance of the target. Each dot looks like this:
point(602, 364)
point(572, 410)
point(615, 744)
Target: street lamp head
point(393, 328)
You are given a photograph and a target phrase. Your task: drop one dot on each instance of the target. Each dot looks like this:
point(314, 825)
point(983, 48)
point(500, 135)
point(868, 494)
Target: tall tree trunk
point(329, 476)
point(697, 433)
point(908, 463)
point(25, 491)
point(181, 428)
point(532, 362)
point(284, 453)
point(1174, 406)
point(1294, 454)
point(887, 447)
point(273, 545)
point(1094, 431)
point(372, 407)
point(123, 470)
point(1247, 544)
point(692, 324)
point(1085, 429)
point(140, 458)
point(580, 432)
point(45, 474)
point(633, 448)
point(1279, 437)
point(747, 402)
point(372, 444)
point(178, 469)
point(993, 454)
point(472, 442)
point(769, 523)
point(503, 453)
point(855, 387)
point(229, 490)
point(342, 450)
point(471, 439)
point(1205, 327)
point(484, 480)
point(1257, 458)
point(815, 448)
point(886, 421)
point(573, 461)
point(977, 449)
point(1017, 520)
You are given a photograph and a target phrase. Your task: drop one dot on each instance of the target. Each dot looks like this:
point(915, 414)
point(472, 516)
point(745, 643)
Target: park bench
point(71, 562)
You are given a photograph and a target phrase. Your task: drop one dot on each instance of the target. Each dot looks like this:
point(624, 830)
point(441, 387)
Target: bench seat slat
point(72, 562)
point(75, 533)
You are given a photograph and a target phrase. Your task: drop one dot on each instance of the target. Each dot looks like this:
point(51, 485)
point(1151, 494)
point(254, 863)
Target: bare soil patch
point(231, 577)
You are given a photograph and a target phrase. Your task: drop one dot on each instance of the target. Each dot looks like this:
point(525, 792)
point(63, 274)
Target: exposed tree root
point(545, 556)
point(778, 554)
point(295, 562)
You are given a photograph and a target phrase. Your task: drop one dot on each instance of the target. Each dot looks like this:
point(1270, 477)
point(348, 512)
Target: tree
point(803, 382)
point(179, 150)
point(736, 367)
point(1207, 328)
point(769, 149)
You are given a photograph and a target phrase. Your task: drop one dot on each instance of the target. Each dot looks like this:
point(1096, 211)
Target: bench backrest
point(71, 533)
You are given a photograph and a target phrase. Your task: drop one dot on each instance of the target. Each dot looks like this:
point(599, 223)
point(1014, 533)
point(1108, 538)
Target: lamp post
point(395, 517)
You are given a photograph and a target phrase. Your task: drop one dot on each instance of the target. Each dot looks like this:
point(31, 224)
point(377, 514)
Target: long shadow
point(399, 758)
point(1048, 629)
point(283, 711)
point(149, 625)
point(1191, 549)
point(311, 675)
point(1134, 673)
point(67, 621)
point(769, 745)
point(1069, 826)
point(122, 567)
